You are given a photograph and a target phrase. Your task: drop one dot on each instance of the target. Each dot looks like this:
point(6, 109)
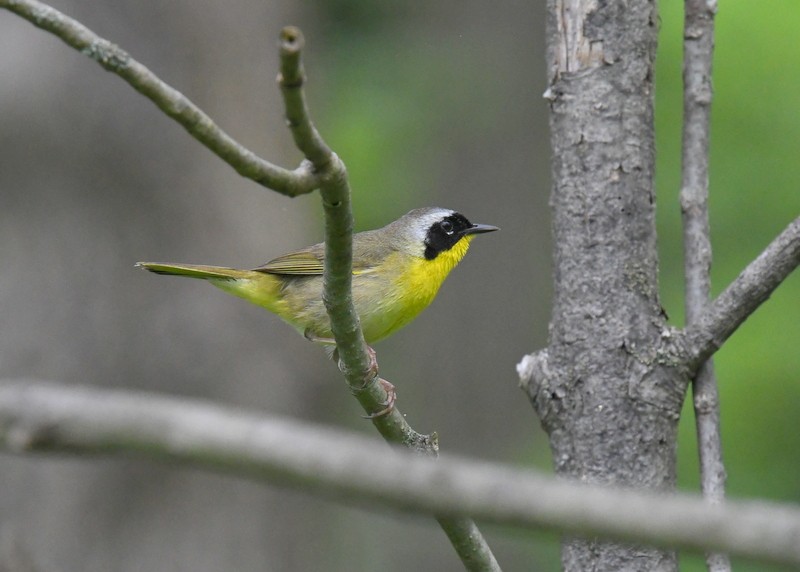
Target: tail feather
point(195, 270)
point(257, 287)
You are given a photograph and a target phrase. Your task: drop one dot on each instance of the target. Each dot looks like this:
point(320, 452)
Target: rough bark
point(606, 390)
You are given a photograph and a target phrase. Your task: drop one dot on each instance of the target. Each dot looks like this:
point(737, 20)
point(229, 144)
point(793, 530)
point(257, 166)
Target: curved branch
point(36, 416)
point(322, 169)
point(356, 360)
point(169, 100)
point(741, 298)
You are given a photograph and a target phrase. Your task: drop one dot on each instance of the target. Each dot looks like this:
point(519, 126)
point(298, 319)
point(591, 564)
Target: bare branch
point(36, 416)
point(335, 189)
point(322, 169)
point(199, 125)
point(291, 80)
point(741, 298)
point(309, 176)
point(356, 360)
point(698, 54)
point(698, 51)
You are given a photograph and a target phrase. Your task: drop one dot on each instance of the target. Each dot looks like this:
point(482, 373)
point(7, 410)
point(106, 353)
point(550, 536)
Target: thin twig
point(38, 416)
point(322, 169)
point(747, 292)
point(291, 81)
point(356, 361)
point(169, 100)
point(698, 54)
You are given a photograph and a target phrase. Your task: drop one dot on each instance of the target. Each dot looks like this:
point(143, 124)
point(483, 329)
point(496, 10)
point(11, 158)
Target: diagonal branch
point(356, 361)
point(698, 51)
point(741, 298)
point(169, 100)
point(322, 169)
point(46, 417)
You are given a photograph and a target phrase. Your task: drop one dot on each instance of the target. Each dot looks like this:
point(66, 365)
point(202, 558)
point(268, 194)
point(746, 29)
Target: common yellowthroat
point(397, 271)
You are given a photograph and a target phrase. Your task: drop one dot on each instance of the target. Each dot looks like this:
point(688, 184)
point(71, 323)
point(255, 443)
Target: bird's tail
point(195, 271)
point(257, 287)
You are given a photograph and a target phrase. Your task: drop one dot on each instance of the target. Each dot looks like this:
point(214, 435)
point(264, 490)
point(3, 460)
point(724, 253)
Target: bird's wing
point(310, 262)
point(306, 262)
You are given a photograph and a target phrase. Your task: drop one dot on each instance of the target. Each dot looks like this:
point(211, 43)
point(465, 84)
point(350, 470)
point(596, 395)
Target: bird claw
point(391, 398)
point(373, 365)
point(370, 378)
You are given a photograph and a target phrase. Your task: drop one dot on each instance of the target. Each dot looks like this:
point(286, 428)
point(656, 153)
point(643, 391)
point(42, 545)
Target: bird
point(397, 272)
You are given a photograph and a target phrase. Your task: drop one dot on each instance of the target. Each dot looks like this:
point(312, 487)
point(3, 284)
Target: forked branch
point(169, 100)
point(322, 169)
point(742, 297)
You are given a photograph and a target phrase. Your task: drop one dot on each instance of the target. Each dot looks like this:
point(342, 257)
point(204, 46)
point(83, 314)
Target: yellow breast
point(415, 283)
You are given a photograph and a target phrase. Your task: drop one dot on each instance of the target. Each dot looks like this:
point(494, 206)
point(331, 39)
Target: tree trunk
point(606, 389)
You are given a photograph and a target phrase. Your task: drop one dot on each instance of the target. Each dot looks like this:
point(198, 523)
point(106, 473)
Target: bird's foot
point(372, 369)
point(370, 377)
point(388, 405)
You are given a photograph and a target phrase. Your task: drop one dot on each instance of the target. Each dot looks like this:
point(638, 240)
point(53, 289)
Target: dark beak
point(480, 228)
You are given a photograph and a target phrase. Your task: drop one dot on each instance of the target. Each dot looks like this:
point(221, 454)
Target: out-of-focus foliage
point(755, 193)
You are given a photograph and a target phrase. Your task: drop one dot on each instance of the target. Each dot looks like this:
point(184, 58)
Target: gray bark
point(605, 390)
point(698, 38)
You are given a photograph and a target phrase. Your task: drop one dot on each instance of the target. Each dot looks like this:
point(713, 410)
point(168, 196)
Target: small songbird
point(397, 271)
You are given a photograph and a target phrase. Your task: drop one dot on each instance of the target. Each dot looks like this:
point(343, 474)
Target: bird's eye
point(447, 226)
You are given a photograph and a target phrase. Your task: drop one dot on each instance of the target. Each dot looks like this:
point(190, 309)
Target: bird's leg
point(312, 337)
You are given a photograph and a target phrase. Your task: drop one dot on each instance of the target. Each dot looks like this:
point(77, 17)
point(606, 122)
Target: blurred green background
point(755, 193)
point(428, 105)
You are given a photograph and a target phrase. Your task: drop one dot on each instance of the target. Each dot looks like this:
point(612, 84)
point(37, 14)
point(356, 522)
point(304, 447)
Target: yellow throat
point(422, 278)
